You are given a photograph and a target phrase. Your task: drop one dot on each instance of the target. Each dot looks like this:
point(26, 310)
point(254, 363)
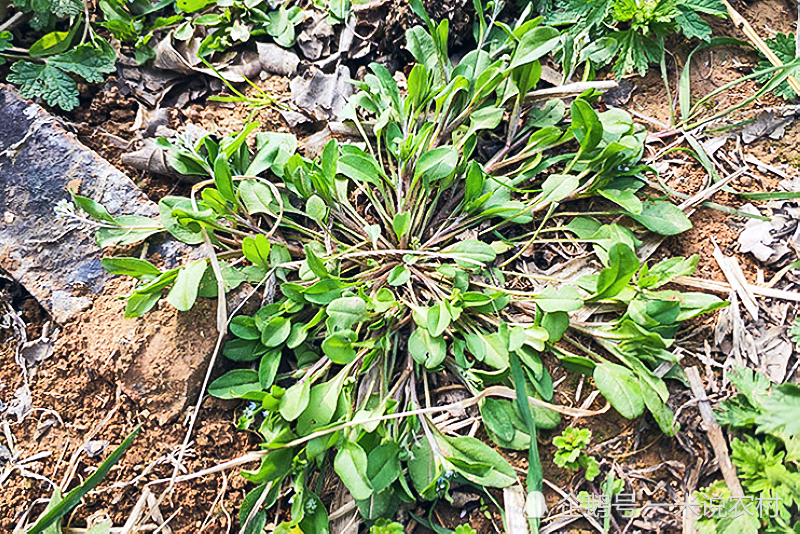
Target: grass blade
point(74, 497)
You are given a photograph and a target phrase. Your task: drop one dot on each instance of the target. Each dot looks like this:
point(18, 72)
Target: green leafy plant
point(48, 68)
point(629, 32)
point(784, 45)
point(794, 331)
point(224, 23)
point(570, 454)
point(388, 265)
point(767, 463)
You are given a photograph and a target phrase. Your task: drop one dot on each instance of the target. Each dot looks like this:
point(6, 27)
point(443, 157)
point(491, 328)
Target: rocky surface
point(158, 360)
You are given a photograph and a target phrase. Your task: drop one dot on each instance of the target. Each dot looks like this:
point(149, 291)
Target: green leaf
point(586, 127)
point(191, 6)
point(360, 167)
point(140, 303)
point(472, 253)
point(497, 418)
point(620, 387)
point(564, 299)
point(268, 368)
point(243, 350)
point(315, 518)
point(48, 82)
point(534, 44)
point(423, 468)
point(315, 264)
point(141, 269)
point(295, 400)
point(87, 61)
point(779, 411)
point(622, 265)
point(425, 349)
point(322, 403)
point(255, 196)
point(190, 233)
point(54, 42)
point(692, 25)
point(344, 312)
point(256, 249)
point(383, 465)
point(557, 187)
point(276, 331)
point(626, 199)
point(234, 384)
point(222, 177)
point(399, 275)
point(274, 151)
point(438, 319)
point(401, 224)
point(274, 466)
point(316, 209)
point(339, 347)
point(132, 229)
point(420, 43)
point(436, 164)
point(465, 453)
point(495, 351)
point(184, 291)
point(351, 464)
point(75, 496)
point(662, 217)
point(636, 52)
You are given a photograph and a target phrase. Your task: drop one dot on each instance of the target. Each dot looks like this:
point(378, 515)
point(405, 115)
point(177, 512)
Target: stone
point(159, 360)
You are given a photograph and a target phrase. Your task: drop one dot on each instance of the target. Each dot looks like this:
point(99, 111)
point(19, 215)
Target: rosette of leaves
point(387, 265)
point(628, 32)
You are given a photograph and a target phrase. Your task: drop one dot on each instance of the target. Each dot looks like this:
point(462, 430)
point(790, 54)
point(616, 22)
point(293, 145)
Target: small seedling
point(570, 454)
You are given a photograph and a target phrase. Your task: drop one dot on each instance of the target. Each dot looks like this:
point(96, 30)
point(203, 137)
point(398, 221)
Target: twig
point(13, 21)
point(136, 513)
point(573, 501)
point(570, 89)
point(723, 288)
point(714, 433)
point(733, 272)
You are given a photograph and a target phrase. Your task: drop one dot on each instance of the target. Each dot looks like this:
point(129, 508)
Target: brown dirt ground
point(89, 403)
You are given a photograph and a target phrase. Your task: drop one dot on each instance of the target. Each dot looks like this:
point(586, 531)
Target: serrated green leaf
point(88, 61)
point(45, 81)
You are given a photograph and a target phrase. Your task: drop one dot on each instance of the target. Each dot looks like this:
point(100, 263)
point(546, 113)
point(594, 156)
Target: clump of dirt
point(74, 403)
point(159, 360)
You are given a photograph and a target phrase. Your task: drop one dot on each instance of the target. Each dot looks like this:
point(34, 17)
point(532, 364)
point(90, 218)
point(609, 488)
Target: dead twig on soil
point(724, 288)
point(714, 432)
